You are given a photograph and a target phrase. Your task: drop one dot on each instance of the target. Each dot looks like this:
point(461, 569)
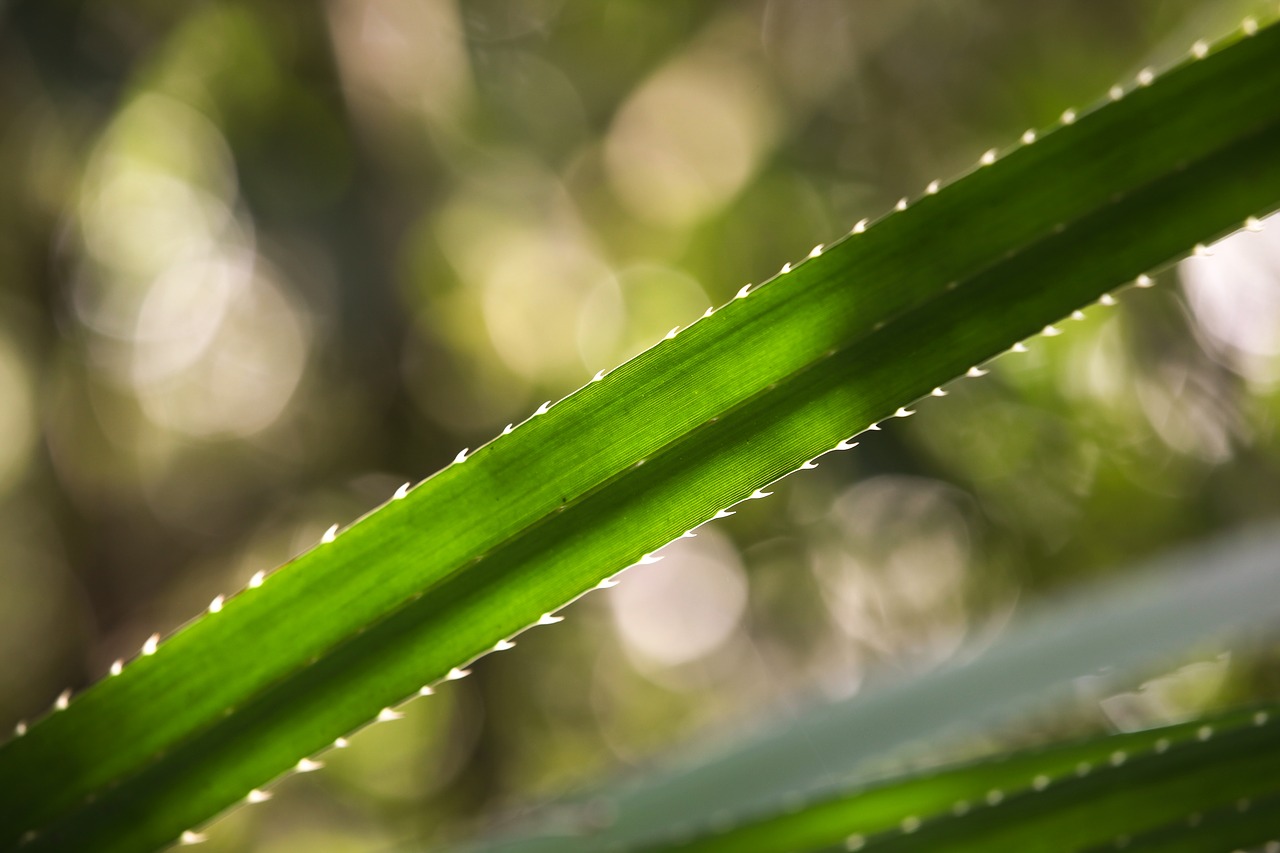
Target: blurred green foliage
point(262, 262)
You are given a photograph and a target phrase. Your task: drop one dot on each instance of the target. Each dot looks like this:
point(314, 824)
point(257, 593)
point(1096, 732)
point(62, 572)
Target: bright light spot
point(683, 608)
point(219, 347)
point(17, 415)
point(1234, 296)
point(895, 576)
point(689, 138)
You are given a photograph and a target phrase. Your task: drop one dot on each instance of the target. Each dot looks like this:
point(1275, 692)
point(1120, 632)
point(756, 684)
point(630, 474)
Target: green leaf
point(1137, 789)
point(481, 550)
point(1126, 626)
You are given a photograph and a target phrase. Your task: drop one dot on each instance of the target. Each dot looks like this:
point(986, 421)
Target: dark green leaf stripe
point(530, 521)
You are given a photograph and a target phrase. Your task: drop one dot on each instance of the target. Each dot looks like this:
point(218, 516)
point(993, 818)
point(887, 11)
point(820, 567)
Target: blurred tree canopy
point(263, 262)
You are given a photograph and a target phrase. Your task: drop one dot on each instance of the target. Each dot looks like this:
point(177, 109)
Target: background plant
point(155, 398)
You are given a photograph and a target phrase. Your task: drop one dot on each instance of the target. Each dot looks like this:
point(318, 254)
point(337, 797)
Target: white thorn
point(809, 466)
point(1200, 49)
point(150, 646)
point(544, 408)
point(215, 606)
point(1249, 25)
point(710, 310)
point(847, 444)
point(306, 765)
point(401, 492)
point(20, 729)
point(688, 534)
point(875, 427)
point(257, 795)
point(189, 837)
point(724, 513)
point(1200, 251)
point(607, 583)
point(1068, 116)
point(933, 187)
point(340, 743)
point(671, 334)
point(599, 375)
point(506, 430)
point(503, 645)
point(1115, 93)
point(860, 226)
point(815, 251)
point(426, 690)
point(1077, 314)
point(649, 560)
point(117, 667)
point(786, 268)
point(1252, 224)
point(759, 494)
point(456, 673)
point(743, 291)
point(462, 456)
point(330, 534)
point(903, 412)
point(1143, 280)
point(1040, 782)
point(548, 619)
point(937, 392)
point(1018, 347)
point(386, 715)
point(1051, 331)
point(1162, 745)
point(1204, 733)
point(901, 205)
point(63, 700)
point(988, 157)
point(975, 372)
point(1028, 136)
point(1106, 299)
point(257, 579)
